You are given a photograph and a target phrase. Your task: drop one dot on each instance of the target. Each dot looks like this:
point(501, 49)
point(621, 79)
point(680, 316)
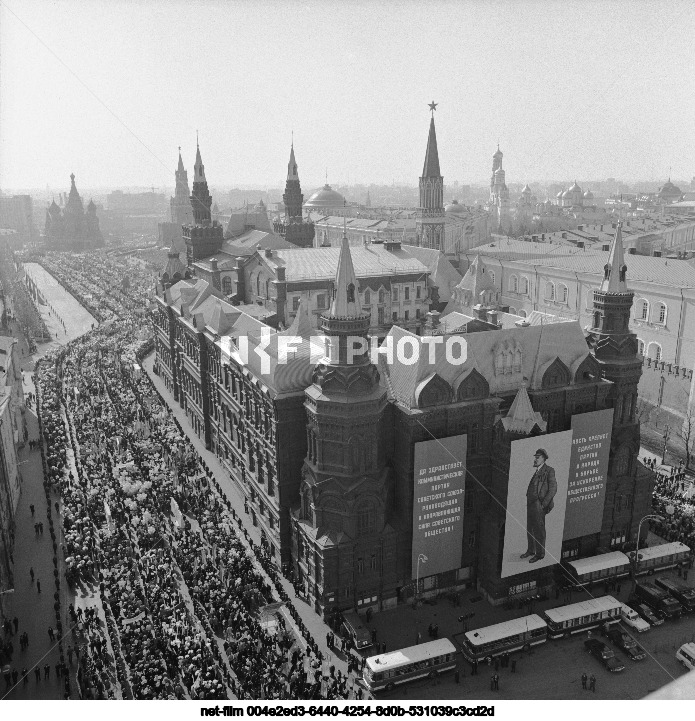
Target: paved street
point(35, 610)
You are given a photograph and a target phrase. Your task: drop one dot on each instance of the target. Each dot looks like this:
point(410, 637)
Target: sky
point(110, 89)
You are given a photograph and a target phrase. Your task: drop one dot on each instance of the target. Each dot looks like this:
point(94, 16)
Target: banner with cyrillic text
point(439, 479)
point(586, 491)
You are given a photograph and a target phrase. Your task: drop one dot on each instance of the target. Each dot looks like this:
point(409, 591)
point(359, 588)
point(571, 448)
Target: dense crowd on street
point(672, 504)
point(182, 587)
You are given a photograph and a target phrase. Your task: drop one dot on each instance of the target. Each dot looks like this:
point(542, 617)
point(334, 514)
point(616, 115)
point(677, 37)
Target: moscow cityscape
point(346, 355)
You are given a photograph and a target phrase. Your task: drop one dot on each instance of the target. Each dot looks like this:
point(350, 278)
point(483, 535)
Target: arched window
point(662, 310)
point(366, 518)
point(351, 293)
point(513, 286)
point(512, 310)
point(640, 346)
point(523, 287)
point(367, 297)
point(562, 293)
point(550, 291)
point(654, 351)
point(522, 313)
point(643, 310)
point(226, 285)
point(381, 295)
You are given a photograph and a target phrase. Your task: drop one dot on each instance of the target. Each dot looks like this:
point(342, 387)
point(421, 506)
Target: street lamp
point(635, 560)
point(424, 559)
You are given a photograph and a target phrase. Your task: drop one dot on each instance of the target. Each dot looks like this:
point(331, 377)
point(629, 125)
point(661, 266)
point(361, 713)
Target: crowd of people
point(182, 588)
point(673, 502)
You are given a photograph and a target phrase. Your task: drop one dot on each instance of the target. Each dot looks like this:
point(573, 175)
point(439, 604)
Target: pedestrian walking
point(497, 682)
point(383, 647)
point(584, 680)
point(373, 635)
point(38, 586)
point(492, 682)
point(418, 638)
point(31, 573)
point(15, 676)
point(47, 671)
point(51, 633)
point(25, 675)
point(41, 528)
point(70, 655)
point(37, 673)
point(15, 621)
point(592, 683)
point(457, 676)
point(32, 509)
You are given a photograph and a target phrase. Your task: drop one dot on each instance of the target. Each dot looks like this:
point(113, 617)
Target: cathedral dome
point(325, 198)
point(588, 195)
point(455, 207)
point(575, 188)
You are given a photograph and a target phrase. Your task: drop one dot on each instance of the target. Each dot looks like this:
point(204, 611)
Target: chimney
point(606, 246)
point(480, 311)
point(268, 252)
point(632, 251)
point(580, 244)
point(580, 227)
point(492, 317)
point(432, 321)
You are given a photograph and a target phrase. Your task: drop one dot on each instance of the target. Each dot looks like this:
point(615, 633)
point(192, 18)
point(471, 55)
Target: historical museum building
point(70, 227)
point(321, 438)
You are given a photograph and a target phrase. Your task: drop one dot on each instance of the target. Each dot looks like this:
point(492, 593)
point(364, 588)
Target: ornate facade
point(322, 442)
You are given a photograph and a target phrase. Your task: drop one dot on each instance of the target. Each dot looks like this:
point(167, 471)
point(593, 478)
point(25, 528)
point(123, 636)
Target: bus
point(666, 555)
point(566, 620)
point(520, 633)
point(585, 571)
point(680, 591)
point(430, 659)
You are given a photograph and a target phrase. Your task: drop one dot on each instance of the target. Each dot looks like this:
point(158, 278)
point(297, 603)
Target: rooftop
point(640, 268)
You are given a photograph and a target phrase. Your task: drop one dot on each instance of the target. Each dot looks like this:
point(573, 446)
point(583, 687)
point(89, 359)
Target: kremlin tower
point(431, 217)
point(294, 228)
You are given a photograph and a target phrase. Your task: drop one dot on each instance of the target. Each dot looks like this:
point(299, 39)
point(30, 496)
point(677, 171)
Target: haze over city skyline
point(110, 90)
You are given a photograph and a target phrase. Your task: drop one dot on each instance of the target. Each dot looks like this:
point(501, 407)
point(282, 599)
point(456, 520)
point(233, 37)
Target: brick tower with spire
point(615, 348)
point(205, 237)
point(293, 228)
point(431, 217)
point(343, 545)
point(180, 205)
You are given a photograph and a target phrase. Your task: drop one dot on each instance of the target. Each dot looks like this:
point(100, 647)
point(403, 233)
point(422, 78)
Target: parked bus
point(682, 593)
point(520, 633)
point(430, 659)
point(576, 617)
point(658, 600)
point(666, 555)
point(585, 571)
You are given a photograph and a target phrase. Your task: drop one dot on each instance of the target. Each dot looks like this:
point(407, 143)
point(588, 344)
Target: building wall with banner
point(536, 502)
point(438, 505)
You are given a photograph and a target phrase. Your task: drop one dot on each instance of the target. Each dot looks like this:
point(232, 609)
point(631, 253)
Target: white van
point(686, 655)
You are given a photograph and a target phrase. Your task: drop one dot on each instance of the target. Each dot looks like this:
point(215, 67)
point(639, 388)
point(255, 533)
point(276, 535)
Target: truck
point(680, 591)
point(658, 599)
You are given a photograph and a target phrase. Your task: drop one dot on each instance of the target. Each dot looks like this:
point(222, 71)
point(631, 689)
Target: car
point(632, 619)
point(636, 653)
point(651, 617)
point(621, 639)
point(604, 654)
